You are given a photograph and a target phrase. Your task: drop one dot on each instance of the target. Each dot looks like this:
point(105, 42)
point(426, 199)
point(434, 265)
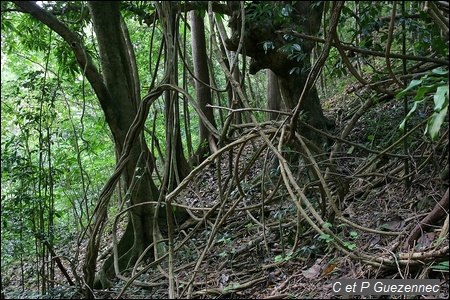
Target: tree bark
point(439, 211)
point(122, 84)
point(291, 66)
point(177, 166)
point(207, 143)
point(273, 95)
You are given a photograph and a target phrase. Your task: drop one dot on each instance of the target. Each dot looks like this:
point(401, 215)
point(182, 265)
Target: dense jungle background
point(222, 149)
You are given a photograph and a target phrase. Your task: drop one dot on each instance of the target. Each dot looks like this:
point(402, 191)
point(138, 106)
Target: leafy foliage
point(433, 85)
point(50, 166)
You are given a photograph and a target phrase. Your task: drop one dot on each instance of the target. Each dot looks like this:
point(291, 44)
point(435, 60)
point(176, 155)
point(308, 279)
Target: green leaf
point(412, 84)
point(354, 234)
point(423, 90)
point(350, 150)
point(286, 11)
point(268, 45)
point(439, 71)
point(327, 225)
point(441, 266)
point(440, 99)
point(346, 11)
point(326, 237)
point(295, 70)
point(435, 123)
point(413, 109)
point(349, 245)
point(296, 47)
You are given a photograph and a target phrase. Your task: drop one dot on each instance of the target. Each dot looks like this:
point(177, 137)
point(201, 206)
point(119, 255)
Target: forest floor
point(285, 258)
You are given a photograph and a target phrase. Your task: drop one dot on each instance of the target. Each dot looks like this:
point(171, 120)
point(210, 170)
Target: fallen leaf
point(329, 269)
point(426, 239)
point(374, 240)
point(394, 225)
point(312, 272)
point(224, 278)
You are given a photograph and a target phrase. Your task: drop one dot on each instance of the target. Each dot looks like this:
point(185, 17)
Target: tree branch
point(438, 212)
point(440, 61)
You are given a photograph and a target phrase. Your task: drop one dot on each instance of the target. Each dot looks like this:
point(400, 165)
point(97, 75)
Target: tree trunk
point(273, 95)
point(118, 93)
point(207, 143)
point(122, 85)
point(177, 166)
point(271, 50)
point(291, 87)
